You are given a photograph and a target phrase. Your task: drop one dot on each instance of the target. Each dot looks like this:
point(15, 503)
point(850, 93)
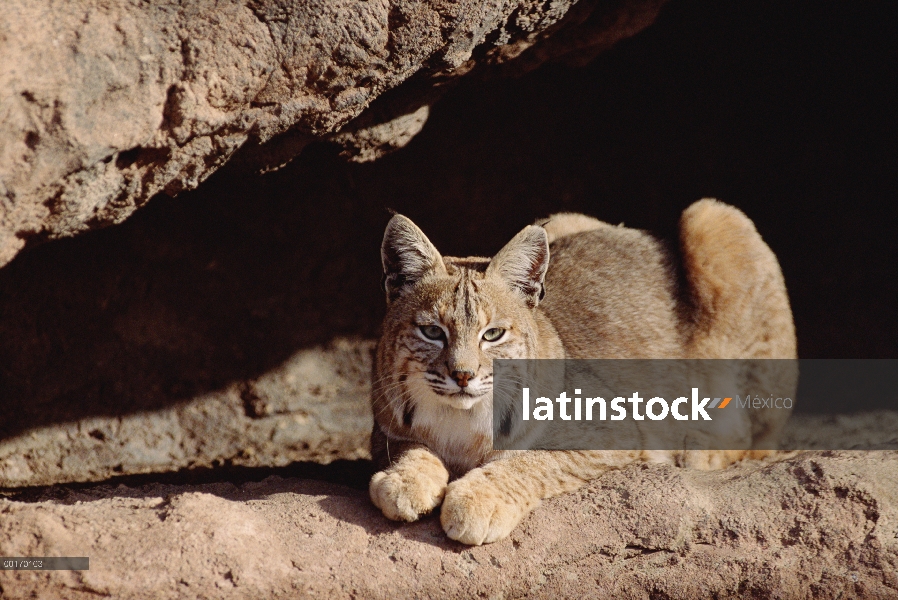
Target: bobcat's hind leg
point(740, 305)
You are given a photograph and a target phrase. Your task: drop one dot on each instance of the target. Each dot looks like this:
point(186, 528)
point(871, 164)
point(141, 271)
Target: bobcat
point(608, 292)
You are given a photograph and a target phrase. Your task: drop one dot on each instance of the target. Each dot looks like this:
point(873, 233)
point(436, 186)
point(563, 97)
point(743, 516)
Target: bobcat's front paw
point(412, 487)
point(476, 511)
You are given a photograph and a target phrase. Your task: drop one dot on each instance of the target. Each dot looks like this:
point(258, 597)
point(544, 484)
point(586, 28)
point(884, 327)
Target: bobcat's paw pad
point(404, 494)
point(476, 512)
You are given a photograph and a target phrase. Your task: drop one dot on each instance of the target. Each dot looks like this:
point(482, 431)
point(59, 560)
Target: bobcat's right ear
point(407, 256)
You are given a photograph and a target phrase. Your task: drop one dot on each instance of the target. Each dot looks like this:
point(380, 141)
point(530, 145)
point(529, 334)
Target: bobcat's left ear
point(523, 263)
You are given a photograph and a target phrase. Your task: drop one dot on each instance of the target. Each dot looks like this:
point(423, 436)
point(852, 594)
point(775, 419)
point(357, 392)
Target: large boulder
point(105, 105)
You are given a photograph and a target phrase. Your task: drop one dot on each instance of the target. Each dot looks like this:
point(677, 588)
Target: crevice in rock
point(32, 139)
point(140, 157)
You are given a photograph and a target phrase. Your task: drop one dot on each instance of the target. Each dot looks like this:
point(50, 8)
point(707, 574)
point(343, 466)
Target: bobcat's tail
point(740, 305)
point(740, 308)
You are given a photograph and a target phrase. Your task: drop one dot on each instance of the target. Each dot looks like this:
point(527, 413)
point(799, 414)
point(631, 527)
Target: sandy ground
point(816, 525)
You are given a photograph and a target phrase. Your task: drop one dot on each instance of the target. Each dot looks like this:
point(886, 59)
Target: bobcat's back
point(619, 295)
point(610, 293)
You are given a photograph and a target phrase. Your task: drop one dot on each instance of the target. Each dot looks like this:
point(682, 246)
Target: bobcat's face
point(447, 330)
point(447, 320)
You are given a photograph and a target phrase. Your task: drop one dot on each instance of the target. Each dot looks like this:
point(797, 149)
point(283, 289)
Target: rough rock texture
point(104, 105)
point(819, 525)
point(314, 407)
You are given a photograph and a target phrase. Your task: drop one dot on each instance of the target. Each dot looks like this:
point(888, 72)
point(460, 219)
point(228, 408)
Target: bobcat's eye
point(432, 332)
point(491, 335)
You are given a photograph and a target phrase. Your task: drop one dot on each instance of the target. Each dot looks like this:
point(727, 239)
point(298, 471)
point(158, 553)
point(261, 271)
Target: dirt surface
point(819, 525)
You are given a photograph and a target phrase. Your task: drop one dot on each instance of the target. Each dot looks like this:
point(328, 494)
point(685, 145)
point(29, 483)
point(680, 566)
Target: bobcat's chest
point(461, 438)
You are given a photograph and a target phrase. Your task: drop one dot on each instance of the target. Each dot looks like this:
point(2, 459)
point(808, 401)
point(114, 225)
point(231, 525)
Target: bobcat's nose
point(462, 377)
